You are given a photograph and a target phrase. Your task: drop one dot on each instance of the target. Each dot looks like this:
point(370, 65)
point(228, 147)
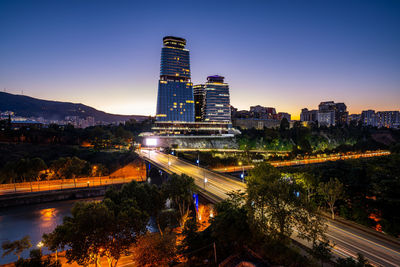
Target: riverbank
point(12, 200)
point(33, 220)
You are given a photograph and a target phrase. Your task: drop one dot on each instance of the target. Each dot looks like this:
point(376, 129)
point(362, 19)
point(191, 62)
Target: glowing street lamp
point(205, 181)
point(242, 175)
point(40, 245)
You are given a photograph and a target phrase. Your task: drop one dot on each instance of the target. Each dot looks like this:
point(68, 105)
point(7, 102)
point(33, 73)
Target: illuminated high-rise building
point(217, 105)
point(175, 101)
point(199, 98)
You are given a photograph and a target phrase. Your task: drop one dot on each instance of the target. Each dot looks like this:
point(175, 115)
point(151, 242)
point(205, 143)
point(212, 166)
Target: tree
point(8, 173)
point(322, 251)
point(331, 191)
point(36, 259)
point(278, 205)
point(154, 250)
point(230, 226)
point(179, 189)
point(350, 262)
point(148, 198)
point(17, 247)
point(284, 125)
point(36, 165)
point(98, 229)
point(308, 182)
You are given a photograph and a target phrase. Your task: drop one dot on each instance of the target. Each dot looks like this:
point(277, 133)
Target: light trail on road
point(348, 240)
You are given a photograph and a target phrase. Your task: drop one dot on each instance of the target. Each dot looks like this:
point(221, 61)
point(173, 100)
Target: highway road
point(312, 160)
point(348, 240)
point(62, 184)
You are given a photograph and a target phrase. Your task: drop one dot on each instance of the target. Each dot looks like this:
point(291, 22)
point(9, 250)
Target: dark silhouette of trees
point(16, 247)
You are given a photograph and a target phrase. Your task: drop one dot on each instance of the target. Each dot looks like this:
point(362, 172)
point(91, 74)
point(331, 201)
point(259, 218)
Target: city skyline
point(107, 56)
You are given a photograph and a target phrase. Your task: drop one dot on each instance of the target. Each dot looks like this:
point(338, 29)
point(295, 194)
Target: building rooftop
point(215, 79)
point(176, 42)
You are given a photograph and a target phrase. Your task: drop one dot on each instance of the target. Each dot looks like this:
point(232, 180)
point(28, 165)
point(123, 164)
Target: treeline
point(119, 225)
point(368, 190)
point(35, 169)
point(99, 137)
point(313, 139)
point(29, 162)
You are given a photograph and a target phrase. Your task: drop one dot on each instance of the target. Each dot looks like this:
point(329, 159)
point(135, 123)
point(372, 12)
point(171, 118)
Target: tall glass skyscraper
point(199, 98)
point(216, 104)
point(175, 94)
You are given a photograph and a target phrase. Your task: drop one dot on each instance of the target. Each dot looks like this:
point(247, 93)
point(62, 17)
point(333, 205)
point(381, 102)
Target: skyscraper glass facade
point(199, 98)
point(217, 105)
point(175, 93)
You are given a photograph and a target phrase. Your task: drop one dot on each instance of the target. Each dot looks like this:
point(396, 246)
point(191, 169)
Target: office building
point(388, 119)
point(309, 115)
point(175, 93)
point(199, 98)
point(178, 116)
point(261, 112)
point(328, 113)
point(354, 118)
point(285, 115)
point(216, 104)
point(339, 110)
point(326, 118)
point(368, 118)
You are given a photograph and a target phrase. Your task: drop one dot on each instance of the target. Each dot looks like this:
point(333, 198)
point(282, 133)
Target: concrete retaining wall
point(54, 195)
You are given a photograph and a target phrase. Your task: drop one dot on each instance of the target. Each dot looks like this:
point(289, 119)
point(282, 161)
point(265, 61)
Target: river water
point(33, 220)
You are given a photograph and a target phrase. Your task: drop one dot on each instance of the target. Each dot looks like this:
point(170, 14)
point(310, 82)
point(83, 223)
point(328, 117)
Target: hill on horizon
point(26, 106)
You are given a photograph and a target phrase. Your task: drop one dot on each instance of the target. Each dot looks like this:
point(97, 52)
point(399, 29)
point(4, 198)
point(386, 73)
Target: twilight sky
point(284, 54)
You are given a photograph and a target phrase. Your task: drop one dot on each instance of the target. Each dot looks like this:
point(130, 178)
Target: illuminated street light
point(205, 181)
point(242, 175)
point(40, 245)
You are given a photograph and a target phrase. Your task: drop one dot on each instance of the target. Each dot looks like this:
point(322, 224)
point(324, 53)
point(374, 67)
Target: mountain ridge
point(26, 106)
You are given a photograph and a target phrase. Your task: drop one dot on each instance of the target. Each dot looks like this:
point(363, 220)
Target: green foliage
point(285, 125)
point(303, 140)
point(278, 205)
point(179, 189)
point(68, 168)
point(350, 262)
point(17, 247)
point(196, 246)
point(331, 191)
point(322, 251)
point(101, 136)
point(97, 229)
point(230, 227)
point(155, 250)
point(36, 259)
point(370, 186)
point(22, 170)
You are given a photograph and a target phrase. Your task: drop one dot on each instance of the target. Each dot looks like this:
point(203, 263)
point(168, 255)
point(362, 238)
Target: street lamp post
point(198, 160)
point(242, 175)
point(40, 245)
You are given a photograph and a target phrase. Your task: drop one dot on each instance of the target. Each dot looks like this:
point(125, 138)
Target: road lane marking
point(362, 238)
point(367, 253)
